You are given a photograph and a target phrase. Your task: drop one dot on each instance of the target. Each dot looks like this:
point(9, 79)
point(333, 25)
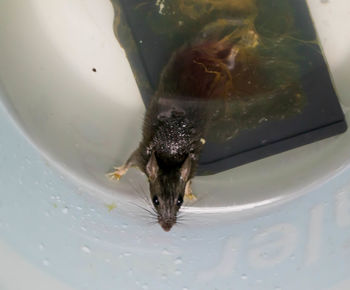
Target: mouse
point(178, 116)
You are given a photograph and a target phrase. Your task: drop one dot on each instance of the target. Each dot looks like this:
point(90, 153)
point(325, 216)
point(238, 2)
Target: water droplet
point(161, 117)
point(140, 41)
point(131, 272)
point(177, 272)
point(127, 254)
point(79, 208)
point(83, 229)
point(65, 210)
point(184, 288)
point(46, 262)
point(264, 255)
point(164, 276)
point(244, 277)
point(166, 252)
point(278, 288)
point(259, 281)
point(178, 261)
point(41, 247)
point(292, 257)
point(86, 249)
point(145, 286)
point(262, 120)
point(124, 226)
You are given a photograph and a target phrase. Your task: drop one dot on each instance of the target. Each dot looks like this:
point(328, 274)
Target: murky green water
point(273, 53)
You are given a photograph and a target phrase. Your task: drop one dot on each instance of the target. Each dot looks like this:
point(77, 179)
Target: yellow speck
point(55, 205)
point(203, 141)
point(111, 206)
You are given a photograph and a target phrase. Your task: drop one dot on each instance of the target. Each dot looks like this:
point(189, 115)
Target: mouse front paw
point(117, 173)
point(121, 170)
point(189, 196)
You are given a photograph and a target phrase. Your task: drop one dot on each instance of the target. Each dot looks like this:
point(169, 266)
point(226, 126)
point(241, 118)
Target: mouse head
point(167, 189)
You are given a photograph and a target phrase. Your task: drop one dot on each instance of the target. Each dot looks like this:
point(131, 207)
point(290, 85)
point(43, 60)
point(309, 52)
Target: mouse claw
point(113, 176)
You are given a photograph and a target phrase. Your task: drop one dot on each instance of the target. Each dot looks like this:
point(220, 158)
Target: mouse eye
point(155, 200)
point(180, 200)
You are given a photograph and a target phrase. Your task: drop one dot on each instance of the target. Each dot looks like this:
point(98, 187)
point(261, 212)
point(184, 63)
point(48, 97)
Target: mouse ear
point(152, 167)
point(186, 169)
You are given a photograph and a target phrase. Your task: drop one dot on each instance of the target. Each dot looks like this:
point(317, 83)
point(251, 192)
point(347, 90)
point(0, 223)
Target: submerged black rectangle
point(321, 117)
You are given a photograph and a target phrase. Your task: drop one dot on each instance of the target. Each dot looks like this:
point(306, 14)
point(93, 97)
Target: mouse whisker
point(147, 218)
point(150, 208)
point(179, 224)
point(150, 212)
point(146, 200)
point(144, 195)
point(144, 191)
point(152, 222)
point(182, 218)
point(181, 214)
point(132, 185)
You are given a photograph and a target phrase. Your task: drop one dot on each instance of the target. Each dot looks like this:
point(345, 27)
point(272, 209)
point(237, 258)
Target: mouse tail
point(228, 36)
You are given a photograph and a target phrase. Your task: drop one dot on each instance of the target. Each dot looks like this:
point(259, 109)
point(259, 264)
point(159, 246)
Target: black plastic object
point(320, 118)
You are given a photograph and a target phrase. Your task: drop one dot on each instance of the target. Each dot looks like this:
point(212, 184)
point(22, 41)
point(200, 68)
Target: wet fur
point(177, 118)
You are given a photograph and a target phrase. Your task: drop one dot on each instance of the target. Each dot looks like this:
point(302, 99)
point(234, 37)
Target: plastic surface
point(86, 122)
point(280, 223)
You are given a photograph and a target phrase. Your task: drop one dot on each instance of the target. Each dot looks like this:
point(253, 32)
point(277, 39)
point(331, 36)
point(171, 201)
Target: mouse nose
point(166, 226)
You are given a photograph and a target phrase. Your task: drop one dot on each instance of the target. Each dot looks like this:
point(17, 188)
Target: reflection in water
point(242, 57)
